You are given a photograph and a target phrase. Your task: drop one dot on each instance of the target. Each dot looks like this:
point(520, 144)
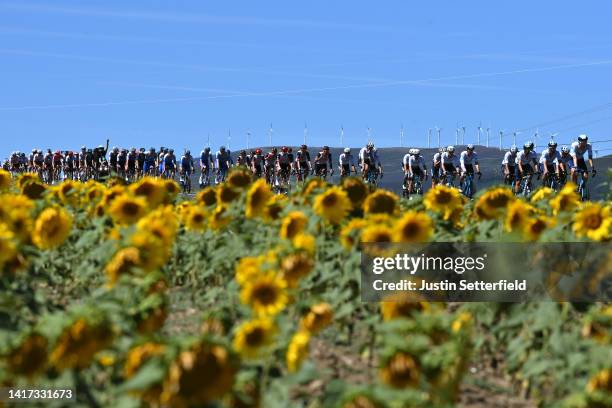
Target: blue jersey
point(223, 159)
point(205, 158)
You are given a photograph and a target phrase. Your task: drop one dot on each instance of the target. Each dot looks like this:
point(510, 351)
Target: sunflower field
point(134, 295)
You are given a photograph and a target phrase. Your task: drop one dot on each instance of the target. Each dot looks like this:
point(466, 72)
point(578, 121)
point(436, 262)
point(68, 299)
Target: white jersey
point(567, 160)
point(416, 161)
point(576, 151)
point(548, 158)
point(363, 153)
point(346, 159)
point(467, 158)
point(526, 158)
point(509, 159)
point(436, 157)
point(448, 159)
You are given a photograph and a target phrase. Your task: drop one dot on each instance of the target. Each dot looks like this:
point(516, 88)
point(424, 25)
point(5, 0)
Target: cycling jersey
point(526, 157)
point(121, 159)
point(509, 159)
point(370, 156)
point(548, 158)
point(284, 159)
point(112, 158)
point(346, 159)
point(577, 151)
point(205, 158)
point(567, 160)
point(186, 163)
point(436, 158)
point(57, 159)
point(323, 159)
point(302, 156)
point(466, 158)
point(256, 160)
point(243, 160)
point(70, 161)
point(38, 159)
point(131, 160)
point(169, 160)
point(447, 160)
point(223, 159)
point(416, 162)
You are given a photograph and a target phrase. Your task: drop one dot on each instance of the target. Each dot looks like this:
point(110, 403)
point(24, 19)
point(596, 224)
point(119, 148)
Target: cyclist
point(112, 158)
point(436, 166)
point(160, 160)
point(366, 159)
point(269, 164)
point(323, 163)
point(346, 163)
point(302, 163)
point(577, 151)
point(130, 166)
point(550, 162)
point(38, 162)
point(149, 161)
point(223, 162)
point(31, 160)
point(121, 163)
point(526, 161)
point(467, 167)
point(257, 163)
point(186, 167)
point(205, 163)
point(414, 166)
point(449, 164)
point(565, 163)
point(170, 164)
point(58, 164)
point(140, 159)
point(99, 155)
point(243, 159)
point(283, 161)
point(71, 165)
point(509, 165)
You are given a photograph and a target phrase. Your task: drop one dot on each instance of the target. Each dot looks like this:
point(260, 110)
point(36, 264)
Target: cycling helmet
point(470, 147)
point(285, 149)
point(290, 149)
point(207, 149)
point(243, 152)
point(274, 150)
point(188, 152)
point(303, 147)
point(171, 150)
point(513, 149)
point(70, 153)
point(115, 149)
point(552, 144)
point(583, 138)
point(142, 149)
point(565, 149)
point(100, 147)
point(450, 149)
point(531, 144)
point(410, 151)
point(33, 150)
point(133, 150)
point(58, 152)
point(325, 147)
point(526, 145)
point(258, 151)
point(347, 150)
point(370, 145)
point(165, 150)
point(440, 150)
point(416, 152)
point(152, 150)
point(83, 148)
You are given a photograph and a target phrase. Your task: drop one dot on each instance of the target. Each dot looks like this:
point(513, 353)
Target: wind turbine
point(488, 135)
point(402, 136)
point(457, 134)
point(369, 134)
point(479, 132)
point(438, 130)
point(229, 138)
point(429, 137)
point(514, 134)
point(305, 132)
point(270, 132)
point(501, 137)
point(535, 136)
point(341, 135)
point(463, 135)
point(208, 139)
point(248, 134)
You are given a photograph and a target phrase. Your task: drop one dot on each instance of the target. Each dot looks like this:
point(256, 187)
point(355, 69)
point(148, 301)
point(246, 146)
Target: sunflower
point(602, 381)
point(274, 207)
point(16, 202)
point(294, 267)
point(26, 178)
point(152, 190)
point(318, 317)
point(381, 201)
point(312, 185)
point(152, 319)
point(111, 194)
point(377, 233)
point(29, 358)
point(401, 371)
point(247, 268)
point(356, 190)
point(5, 179)
point(127, 209)
point(199, 375)
point(254, 337)
point(349, 234)
point(543, 193)
point(536, 226)
point(462, 322)
point(195, 219)
point(293, 224)
point(172, 189)
point(297, 351)
point(443, 200)
point(413, 227)
point(51, 228)
point(399, 306)
point(493, 203)
point(153, 252)
point(265, 294)
point(226, 194)
point(593, 221)
point(68, 192)
point(93, 194)
point(137, 356)
point(207, 196)
point(305, 242)
point(8, 248)
point(122, 264)
point(219, 218)
point(566, 200)
point(33, 189)
point(332, 205)
point(79, 342)
point(362, 400)
point(161, 227)
point(519, 213)
point(239, 179)
point(257, 198)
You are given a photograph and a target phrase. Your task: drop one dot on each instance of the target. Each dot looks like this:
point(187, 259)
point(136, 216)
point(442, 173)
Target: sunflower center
point(131, 209)
point(538, 226)
point(330, 200)
point(411, 229)
point(197, 218)
point(592, 221)
point(255, 337)
point(498, 201)
point(443, 197)
point(265, 294)
point(145, 189)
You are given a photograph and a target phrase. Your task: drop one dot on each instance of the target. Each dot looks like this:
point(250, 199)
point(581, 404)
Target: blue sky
point(173, 72)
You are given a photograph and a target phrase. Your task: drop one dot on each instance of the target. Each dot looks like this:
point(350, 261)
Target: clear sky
point(173, 72)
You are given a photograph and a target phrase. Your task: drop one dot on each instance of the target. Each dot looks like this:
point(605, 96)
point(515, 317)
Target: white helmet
point(565, 149)
point(583, 138)
point(410, 151)
point(513, 149)
point(450, 148)
point(347, 150)
point(416, 152)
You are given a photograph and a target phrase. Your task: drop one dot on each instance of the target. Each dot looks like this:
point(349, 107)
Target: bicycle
point(525, 186)
point(448, 179)
point(551, 180)
point(372, 176)
point(583, 187)
point(283, 182)
point(185, 181)
point(467, 187)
